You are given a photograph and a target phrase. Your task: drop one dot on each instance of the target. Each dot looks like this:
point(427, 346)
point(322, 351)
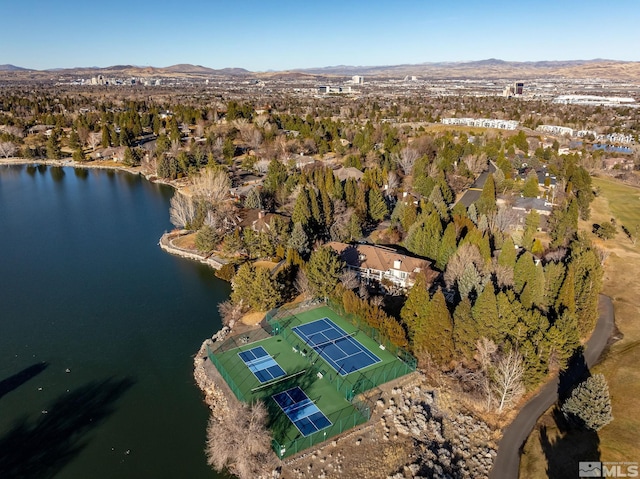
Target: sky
point(284, 34)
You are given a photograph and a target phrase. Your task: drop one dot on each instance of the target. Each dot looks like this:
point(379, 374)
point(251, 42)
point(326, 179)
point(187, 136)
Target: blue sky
point(285, 34)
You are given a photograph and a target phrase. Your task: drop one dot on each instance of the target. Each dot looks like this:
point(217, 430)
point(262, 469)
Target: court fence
point(226, 375)
point(342, 420)
point(284, 319)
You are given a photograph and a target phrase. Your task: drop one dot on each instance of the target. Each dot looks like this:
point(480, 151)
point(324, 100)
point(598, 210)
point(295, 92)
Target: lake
point(98, 327)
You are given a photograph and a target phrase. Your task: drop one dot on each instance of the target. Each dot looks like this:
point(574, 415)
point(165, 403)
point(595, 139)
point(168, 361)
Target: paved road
point(474, 191)
point(507, 462)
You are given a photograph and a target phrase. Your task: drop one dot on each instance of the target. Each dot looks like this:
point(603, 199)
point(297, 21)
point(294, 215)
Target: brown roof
point(380, 258)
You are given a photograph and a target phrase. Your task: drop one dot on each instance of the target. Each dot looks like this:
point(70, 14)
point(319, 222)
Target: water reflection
point(31, 170)
point(81, 173)
point(57, 174)
point(42, 169)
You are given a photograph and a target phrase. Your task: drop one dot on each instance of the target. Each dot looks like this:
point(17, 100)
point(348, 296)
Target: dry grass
point(265, 264)
point(251, 319)
point(187, 242)
point(619, 439)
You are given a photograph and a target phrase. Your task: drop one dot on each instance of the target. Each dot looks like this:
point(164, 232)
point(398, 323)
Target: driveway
point(507, 462)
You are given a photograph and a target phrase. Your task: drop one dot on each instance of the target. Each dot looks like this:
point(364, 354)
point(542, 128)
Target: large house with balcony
point(382, 264)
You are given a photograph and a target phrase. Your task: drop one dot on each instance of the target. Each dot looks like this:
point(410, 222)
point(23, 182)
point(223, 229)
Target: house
point(381, 264)
point(258, 220)
point(302, 161)
point(521, 207)
point(349, 172)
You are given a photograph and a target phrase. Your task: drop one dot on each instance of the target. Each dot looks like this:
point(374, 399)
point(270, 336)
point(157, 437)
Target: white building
point(482, 123)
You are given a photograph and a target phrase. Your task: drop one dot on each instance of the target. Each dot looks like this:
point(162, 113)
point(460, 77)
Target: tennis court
point(261, 364)
point(340, 349)
point(301, 411)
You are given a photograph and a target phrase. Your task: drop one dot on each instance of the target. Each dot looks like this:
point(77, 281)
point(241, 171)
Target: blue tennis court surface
point(342, 351)
point(301, 411)
point(261, 364)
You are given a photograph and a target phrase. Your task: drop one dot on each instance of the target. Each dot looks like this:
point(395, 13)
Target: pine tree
point(485, 312)
point(589, 404)
point(253, 199)
point(440, 330)
point(53, 145)
point(465, 329)
point(508, 254)
point(566, 300)
point(524, 272)
point(530, 189)
point(378, 210)
point(302, 209)
point(299, 241)
point(354, 228)
point(486, 204)
point(447, 246)
point(323, 270)
point(316, 208)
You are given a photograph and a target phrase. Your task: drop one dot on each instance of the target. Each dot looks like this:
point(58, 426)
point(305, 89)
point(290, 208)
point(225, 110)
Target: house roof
point(380, 258)
point(527, 204)
point(349, 172)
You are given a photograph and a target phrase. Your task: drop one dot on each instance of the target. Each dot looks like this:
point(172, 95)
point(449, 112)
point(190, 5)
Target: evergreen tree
point(378, 210)
point(508, 254)
point(253, 199)
point(354, 228)
point(554, 274)
point(447, 246)
point(106, 137)
point(323, 270)
point(206, 239)
point(566, 300)
point(524, 272)
point(299, 241)
point(302, 208)
point(78, 155)
point(486, 204)
point(316, 208)
point(350, 188)
point(465, 330)
point(74, 140)
point(255, 287)
point(530, 189)
point(485, 312)
point(360, 203)
point(276, 176)
point(53, 145)
point(327, 208)
point(532, 222)
point(589, 404)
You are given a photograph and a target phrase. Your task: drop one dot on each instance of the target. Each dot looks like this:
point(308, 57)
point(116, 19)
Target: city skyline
point(287, 35)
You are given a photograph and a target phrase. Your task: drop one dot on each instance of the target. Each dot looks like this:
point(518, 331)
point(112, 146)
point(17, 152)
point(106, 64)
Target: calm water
point(97, 329)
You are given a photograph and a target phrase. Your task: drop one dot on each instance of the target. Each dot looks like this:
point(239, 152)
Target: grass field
point(310, 372)
point(618, 441)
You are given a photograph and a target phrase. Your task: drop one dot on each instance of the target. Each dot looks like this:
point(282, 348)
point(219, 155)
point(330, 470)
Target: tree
point(486, 204)
point(253, 199)
point(302, 208)
point(230, 312)
point(239, 440)
point(53, 145)
point(207, 238)
point(589, 404)
point(299, 240)
point(323, 271)
point(7, 148)
point(530, 189)
point(465, 329)
point(212, 185)
point(507, 383)
point(407, 159)
point(377, 206)
point(276, 176)
point(255, 287)
point(182, 210)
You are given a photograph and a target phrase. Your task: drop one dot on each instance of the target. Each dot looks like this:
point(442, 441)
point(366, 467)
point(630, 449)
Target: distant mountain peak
point(11, 68)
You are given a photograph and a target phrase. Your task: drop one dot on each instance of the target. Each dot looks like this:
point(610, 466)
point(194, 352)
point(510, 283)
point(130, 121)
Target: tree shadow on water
point(18, 379)
point(41, 448)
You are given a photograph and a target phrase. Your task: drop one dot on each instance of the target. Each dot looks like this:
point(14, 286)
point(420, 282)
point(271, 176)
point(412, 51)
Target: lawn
point(618, 441)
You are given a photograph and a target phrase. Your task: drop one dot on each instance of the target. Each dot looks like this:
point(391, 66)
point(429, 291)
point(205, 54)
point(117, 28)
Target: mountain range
point(490, 68)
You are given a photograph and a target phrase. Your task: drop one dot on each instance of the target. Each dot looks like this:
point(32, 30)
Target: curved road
point(507, 462)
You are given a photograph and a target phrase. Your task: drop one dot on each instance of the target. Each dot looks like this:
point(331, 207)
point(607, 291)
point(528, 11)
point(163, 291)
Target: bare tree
point(502, 219)
point(181, 210)
point(475, 164)
point(240, 441)
point(392, 182)
point(230, 312)
point(261, 166)
point(94, 139)
point(212, 185)
point(467, 254)
point(349, 279)
point(507, 385)
point(407, 159)
point(7, 149)
point(485, 350)
point(302, 285)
